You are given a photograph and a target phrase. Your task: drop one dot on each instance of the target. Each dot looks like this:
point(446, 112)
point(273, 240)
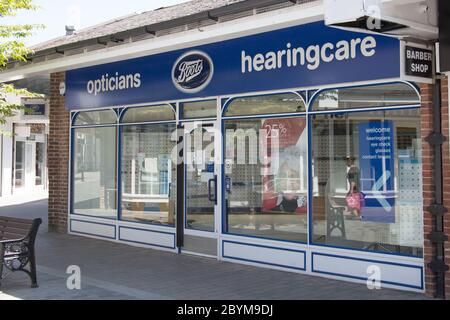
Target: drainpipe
point(437, 237)
point(180, 188)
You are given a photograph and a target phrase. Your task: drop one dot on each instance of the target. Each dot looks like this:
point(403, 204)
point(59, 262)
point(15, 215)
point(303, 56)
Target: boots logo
point(192, 72)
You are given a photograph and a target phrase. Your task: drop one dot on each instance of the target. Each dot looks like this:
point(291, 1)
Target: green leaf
point(18, 31)
point(11, 109)
point(13, 49)
point(10, 7)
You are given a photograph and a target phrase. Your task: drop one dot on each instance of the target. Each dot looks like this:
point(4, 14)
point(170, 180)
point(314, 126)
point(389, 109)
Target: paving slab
point(119, 272)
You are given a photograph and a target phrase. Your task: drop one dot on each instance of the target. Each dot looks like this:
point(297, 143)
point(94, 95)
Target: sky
point(56, 14)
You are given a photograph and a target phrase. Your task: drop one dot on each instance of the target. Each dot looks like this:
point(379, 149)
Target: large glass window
point(266, 178)
point(95, 117)
point(148, 174)
point(394, 94)
point(199, 109)
point(367, 181)
point(149, 114)
point(40, 163)
point(94, 172)
point(19, 166)
point(268, 104)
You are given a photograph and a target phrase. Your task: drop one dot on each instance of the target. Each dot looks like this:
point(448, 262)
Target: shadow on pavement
point(28, 210)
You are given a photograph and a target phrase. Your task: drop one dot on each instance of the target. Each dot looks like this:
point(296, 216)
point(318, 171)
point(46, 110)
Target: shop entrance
point(201, 188)
point(29, 165)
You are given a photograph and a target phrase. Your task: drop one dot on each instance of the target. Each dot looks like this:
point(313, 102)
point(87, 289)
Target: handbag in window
point(355, 200)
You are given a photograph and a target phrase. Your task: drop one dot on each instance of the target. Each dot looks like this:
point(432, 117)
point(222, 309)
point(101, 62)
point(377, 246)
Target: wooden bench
point(17, 238)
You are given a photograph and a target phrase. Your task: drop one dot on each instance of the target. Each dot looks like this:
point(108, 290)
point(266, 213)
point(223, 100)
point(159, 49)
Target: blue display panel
point(301, 56)
point(376, 152)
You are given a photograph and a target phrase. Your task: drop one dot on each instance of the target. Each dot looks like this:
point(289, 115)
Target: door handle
point(212, 195)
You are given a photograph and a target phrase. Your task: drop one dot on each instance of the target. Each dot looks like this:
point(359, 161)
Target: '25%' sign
point(418, 62)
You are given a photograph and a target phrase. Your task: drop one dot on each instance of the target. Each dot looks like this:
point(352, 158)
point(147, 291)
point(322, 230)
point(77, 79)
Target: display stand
point(410, 223)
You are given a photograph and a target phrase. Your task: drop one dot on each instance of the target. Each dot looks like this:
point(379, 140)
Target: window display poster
point(376, 164)
point(284, 187)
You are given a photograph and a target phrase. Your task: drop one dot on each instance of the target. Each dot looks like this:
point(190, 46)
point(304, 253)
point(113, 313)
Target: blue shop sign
point(35, 109)
point(308, 55)
point(210, 167)
point(376, 164)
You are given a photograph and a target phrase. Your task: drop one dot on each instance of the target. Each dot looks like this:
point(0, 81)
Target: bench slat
point(14, 228)
point(22, 232)
point(16, 225)
point(11, 236)
point(11, 231)
point(15, 219)
point(15, 222)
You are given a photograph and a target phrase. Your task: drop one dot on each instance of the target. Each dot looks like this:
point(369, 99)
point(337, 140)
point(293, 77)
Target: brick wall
point(427, 172)
point(428, 177)
point(446, 174)
point(58, 157)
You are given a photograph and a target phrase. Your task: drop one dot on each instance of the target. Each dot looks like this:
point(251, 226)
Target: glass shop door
point(201, 188)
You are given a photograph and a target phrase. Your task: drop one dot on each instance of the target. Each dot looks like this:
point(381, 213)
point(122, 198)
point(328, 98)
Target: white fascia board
point(340, 11)
point(400, 2)
point(428, 29)
point(282, 18)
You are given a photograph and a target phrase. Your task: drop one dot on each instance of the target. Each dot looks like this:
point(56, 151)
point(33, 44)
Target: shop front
point(30, 169)
point(297, 149)
point(24, 150)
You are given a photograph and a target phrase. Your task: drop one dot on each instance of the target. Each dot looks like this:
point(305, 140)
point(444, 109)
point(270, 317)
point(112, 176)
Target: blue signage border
point(296, 57)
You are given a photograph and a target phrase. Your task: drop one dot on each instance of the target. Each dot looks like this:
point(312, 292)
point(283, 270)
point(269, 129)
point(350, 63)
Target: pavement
point(23, 198)
point(111, 271)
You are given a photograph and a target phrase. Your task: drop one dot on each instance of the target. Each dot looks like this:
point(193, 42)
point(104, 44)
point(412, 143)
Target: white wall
point(6, 161)
point(6, 148)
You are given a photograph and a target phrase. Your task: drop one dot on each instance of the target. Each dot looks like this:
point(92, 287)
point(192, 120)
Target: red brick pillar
point(428, 179)
point(58, 157)
point(446, 175)
point(427, 176)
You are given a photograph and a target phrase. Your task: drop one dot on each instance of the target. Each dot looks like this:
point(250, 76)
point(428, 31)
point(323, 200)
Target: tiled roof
point(137, 20)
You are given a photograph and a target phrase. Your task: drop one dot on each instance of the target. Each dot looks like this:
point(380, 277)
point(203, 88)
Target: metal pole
point(180, 188)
